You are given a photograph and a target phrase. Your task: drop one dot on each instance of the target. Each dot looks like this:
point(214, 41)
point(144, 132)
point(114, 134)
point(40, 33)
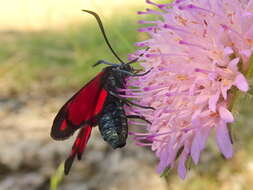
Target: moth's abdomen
point(113, 123)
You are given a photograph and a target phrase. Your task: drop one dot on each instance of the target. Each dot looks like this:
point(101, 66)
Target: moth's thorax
point(115, 78)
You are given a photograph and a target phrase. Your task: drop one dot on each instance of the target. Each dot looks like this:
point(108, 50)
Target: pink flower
point(198, 51)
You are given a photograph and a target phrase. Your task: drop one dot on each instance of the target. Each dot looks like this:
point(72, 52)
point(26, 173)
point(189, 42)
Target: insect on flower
point(98, 103)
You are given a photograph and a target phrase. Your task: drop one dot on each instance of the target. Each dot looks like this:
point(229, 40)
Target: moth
point(99, 102)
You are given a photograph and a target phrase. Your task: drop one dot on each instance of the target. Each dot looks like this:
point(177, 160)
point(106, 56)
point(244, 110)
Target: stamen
point(148, 22)
point(191, 44)
point(137, 133)
point(147, 29)
point(143, 43)
point(191, 6)
point(143, 144)
point(128, 96)
point(167, 26)
point(166, 55)
point(137, 123)
point(225, 27)
point(151, 11)
point(151, 135)
point(128, 90)
point(203, 71)
point(178, 1)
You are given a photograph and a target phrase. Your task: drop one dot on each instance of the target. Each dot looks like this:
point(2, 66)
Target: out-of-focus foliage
point(60, 60)
point(44, 14)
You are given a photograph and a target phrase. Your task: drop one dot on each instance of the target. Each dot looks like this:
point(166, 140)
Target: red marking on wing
point(78, 147)
point(64, 125)
point(100, 104)
point(80, 109)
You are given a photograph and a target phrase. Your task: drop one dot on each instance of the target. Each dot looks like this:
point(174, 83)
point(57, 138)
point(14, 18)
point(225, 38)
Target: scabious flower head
point(198, 52)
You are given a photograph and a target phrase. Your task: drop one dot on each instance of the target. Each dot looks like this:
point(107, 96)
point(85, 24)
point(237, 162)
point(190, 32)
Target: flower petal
point(181, 164)
point(228, 51)
point(226, 115)
point(241, 83)
point(198, 143)
point(224, 90)
point(233, 64)
point(223, 140)
point(213, 101)
point(246, 52)
point(195, 148)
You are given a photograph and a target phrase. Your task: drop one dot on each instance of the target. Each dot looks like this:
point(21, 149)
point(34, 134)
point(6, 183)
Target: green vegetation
point(57, 177)
point(62, 59)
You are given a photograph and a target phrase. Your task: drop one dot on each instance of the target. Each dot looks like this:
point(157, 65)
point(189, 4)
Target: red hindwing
point(82, 108)
point(78, 147)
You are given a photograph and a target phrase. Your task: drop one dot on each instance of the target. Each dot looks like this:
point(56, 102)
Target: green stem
point(57, 177)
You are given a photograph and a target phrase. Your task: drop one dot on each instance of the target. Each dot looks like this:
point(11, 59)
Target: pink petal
point(250, 4)
point(213, 101)
point(246, 52)
point(195, 115)
point(201, 99)
point(163, 157)
point(198, 143)
point(195, 148)
point(224, 90)
point(223, 140)
point(226, 115)
point(167, 155)
point(181, 169)
point(161, 167)
point(233, 64)
point(228, 51)
point(241, 83)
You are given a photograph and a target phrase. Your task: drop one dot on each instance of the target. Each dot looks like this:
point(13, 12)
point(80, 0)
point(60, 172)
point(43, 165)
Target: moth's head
point(126, 67)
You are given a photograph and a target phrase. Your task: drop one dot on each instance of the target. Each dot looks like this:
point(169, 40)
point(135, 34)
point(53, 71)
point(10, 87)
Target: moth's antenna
point(103, 33)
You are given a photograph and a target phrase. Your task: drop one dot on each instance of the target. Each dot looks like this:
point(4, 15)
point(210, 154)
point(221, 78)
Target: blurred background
point(47, 48)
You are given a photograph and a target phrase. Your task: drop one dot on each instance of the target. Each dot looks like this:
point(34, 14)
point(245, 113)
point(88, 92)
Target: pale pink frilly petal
point(226, 115)
point(241, 83)
point(213, 101)
point(181, 163)
point(198, 143)
point(223, 140)
point(233, 64)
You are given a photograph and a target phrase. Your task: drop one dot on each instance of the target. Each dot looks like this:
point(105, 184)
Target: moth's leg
point(126, 101)
point(137, 70)
point(138, 117)
point(138, 105)
point(104, 62)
